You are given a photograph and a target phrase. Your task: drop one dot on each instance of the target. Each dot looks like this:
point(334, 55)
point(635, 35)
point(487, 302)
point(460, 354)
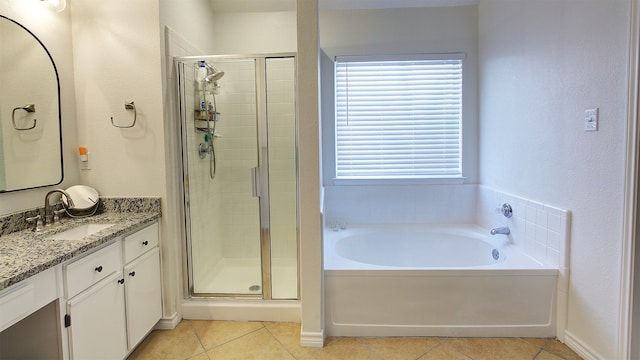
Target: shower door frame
point(263, 168)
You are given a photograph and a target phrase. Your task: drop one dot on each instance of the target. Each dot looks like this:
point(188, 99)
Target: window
point(399, 118)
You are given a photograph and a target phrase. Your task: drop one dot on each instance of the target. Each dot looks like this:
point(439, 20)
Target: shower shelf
point(203, 115)
point(202, 124)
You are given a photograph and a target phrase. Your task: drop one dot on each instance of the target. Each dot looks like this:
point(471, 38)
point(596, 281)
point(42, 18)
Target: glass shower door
point(220, 150)
point(281, 127)
point(238, 121)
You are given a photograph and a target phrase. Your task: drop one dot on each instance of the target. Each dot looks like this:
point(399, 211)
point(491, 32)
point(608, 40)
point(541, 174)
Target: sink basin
point(79, 232)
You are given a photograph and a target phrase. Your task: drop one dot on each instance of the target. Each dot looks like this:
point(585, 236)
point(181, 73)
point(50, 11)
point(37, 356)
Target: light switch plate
point(591, 120)
point(84, 163)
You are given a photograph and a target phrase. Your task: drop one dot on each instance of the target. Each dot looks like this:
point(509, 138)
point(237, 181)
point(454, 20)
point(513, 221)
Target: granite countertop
point(25, 253)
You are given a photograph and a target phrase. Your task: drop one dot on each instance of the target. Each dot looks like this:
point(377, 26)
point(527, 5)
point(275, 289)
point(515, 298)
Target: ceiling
point(290, 5)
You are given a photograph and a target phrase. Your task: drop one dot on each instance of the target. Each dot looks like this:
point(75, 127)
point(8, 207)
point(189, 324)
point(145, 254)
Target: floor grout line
point(195, 333)
point(228, 341)
point(369, 349)
point(279, 342)
point(440, 341)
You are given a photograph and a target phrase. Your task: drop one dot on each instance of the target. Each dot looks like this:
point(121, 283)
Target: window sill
point(429, 181)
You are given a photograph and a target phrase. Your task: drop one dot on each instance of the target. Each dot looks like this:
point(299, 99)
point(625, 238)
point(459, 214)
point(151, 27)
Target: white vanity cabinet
point(114, 296)
point(142, 282)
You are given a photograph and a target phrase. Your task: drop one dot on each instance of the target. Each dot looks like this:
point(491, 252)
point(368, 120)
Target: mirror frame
point(55, 70)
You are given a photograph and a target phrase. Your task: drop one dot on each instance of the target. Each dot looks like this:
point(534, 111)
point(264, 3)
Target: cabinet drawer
point(140, 242)
point(92, 268)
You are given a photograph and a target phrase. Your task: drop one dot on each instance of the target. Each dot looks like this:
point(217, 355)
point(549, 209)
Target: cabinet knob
point(145, 243)
point(132, 274)
point(99, 268)
point(121, 281)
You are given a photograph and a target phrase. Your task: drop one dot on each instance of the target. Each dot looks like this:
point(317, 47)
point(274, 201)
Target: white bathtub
point(422, 280)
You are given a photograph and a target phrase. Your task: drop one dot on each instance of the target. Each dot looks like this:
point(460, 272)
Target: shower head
point(215, 76)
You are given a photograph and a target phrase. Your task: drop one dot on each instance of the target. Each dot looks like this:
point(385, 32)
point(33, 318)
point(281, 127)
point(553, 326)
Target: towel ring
point(28, 108)
point(128, 106)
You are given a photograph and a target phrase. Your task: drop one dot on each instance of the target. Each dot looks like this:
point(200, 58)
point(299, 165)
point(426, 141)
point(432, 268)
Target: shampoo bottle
point(201, 73)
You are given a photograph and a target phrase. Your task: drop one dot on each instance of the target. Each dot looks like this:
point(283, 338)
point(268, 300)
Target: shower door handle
point(254, 182)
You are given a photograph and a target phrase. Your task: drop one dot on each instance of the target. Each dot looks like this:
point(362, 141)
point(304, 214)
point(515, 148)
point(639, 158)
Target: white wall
point(254, 33)
point(116, 49)
point(308, 114)
point(402, 31)
point(54, 30)
point(192, 19)
point(541, 65)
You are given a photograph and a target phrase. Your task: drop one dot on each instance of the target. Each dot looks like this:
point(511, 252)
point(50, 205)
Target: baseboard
point(241, 310)
point(580, 347)
point(312, 339)
point(168, 323)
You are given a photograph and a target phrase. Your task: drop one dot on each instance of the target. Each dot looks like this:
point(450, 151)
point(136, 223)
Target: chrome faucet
point(501, 230)
point(48, 216)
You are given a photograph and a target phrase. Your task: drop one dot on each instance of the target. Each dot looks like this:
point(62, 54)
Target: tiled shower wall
point(205, 213)
point(237, 153)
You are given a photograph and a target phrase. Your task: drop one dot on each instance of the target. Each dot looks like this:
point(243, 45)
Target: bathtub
point(427, 280)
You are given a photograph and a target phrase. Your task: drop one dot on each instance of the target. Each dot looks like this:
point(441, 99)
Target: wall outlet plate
point(591, 120)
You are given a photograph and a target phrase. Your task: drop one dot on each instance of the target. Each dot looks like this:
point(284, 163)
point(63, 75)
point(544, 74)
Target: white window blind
point(398, 119)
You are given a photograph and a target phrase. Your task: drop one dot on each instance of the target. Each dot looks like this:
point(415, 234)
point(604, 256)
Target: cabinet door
point(143, 294)
point(98, 327)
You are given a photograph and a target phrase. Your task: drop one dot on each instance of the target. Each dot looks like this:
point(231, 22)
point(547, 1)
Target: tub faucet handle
point(506, 210)
point(501, 230)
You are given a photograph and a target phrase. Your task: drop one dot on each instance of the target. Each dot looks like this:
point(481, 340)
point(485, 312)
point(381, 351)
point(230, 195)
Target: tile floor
point(202, 340)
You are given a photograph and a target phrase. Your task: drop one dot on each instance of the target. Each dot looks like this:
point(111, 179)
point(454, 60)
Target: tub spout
point(501, 230)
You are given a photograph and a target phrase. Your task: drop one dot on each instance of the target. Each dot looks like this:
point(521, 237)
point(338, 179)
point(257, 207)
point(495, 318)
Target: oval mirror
point(30, 119)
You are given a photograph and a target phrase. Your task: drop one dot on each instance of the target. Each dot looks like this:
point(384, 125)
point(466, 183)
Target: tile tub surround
point(24, 253)
point(542, 230)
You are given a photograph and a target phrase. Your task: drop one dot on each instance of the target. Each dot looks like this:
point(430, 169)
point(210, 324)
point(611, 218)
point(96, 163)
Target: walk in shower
point(238, 128)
